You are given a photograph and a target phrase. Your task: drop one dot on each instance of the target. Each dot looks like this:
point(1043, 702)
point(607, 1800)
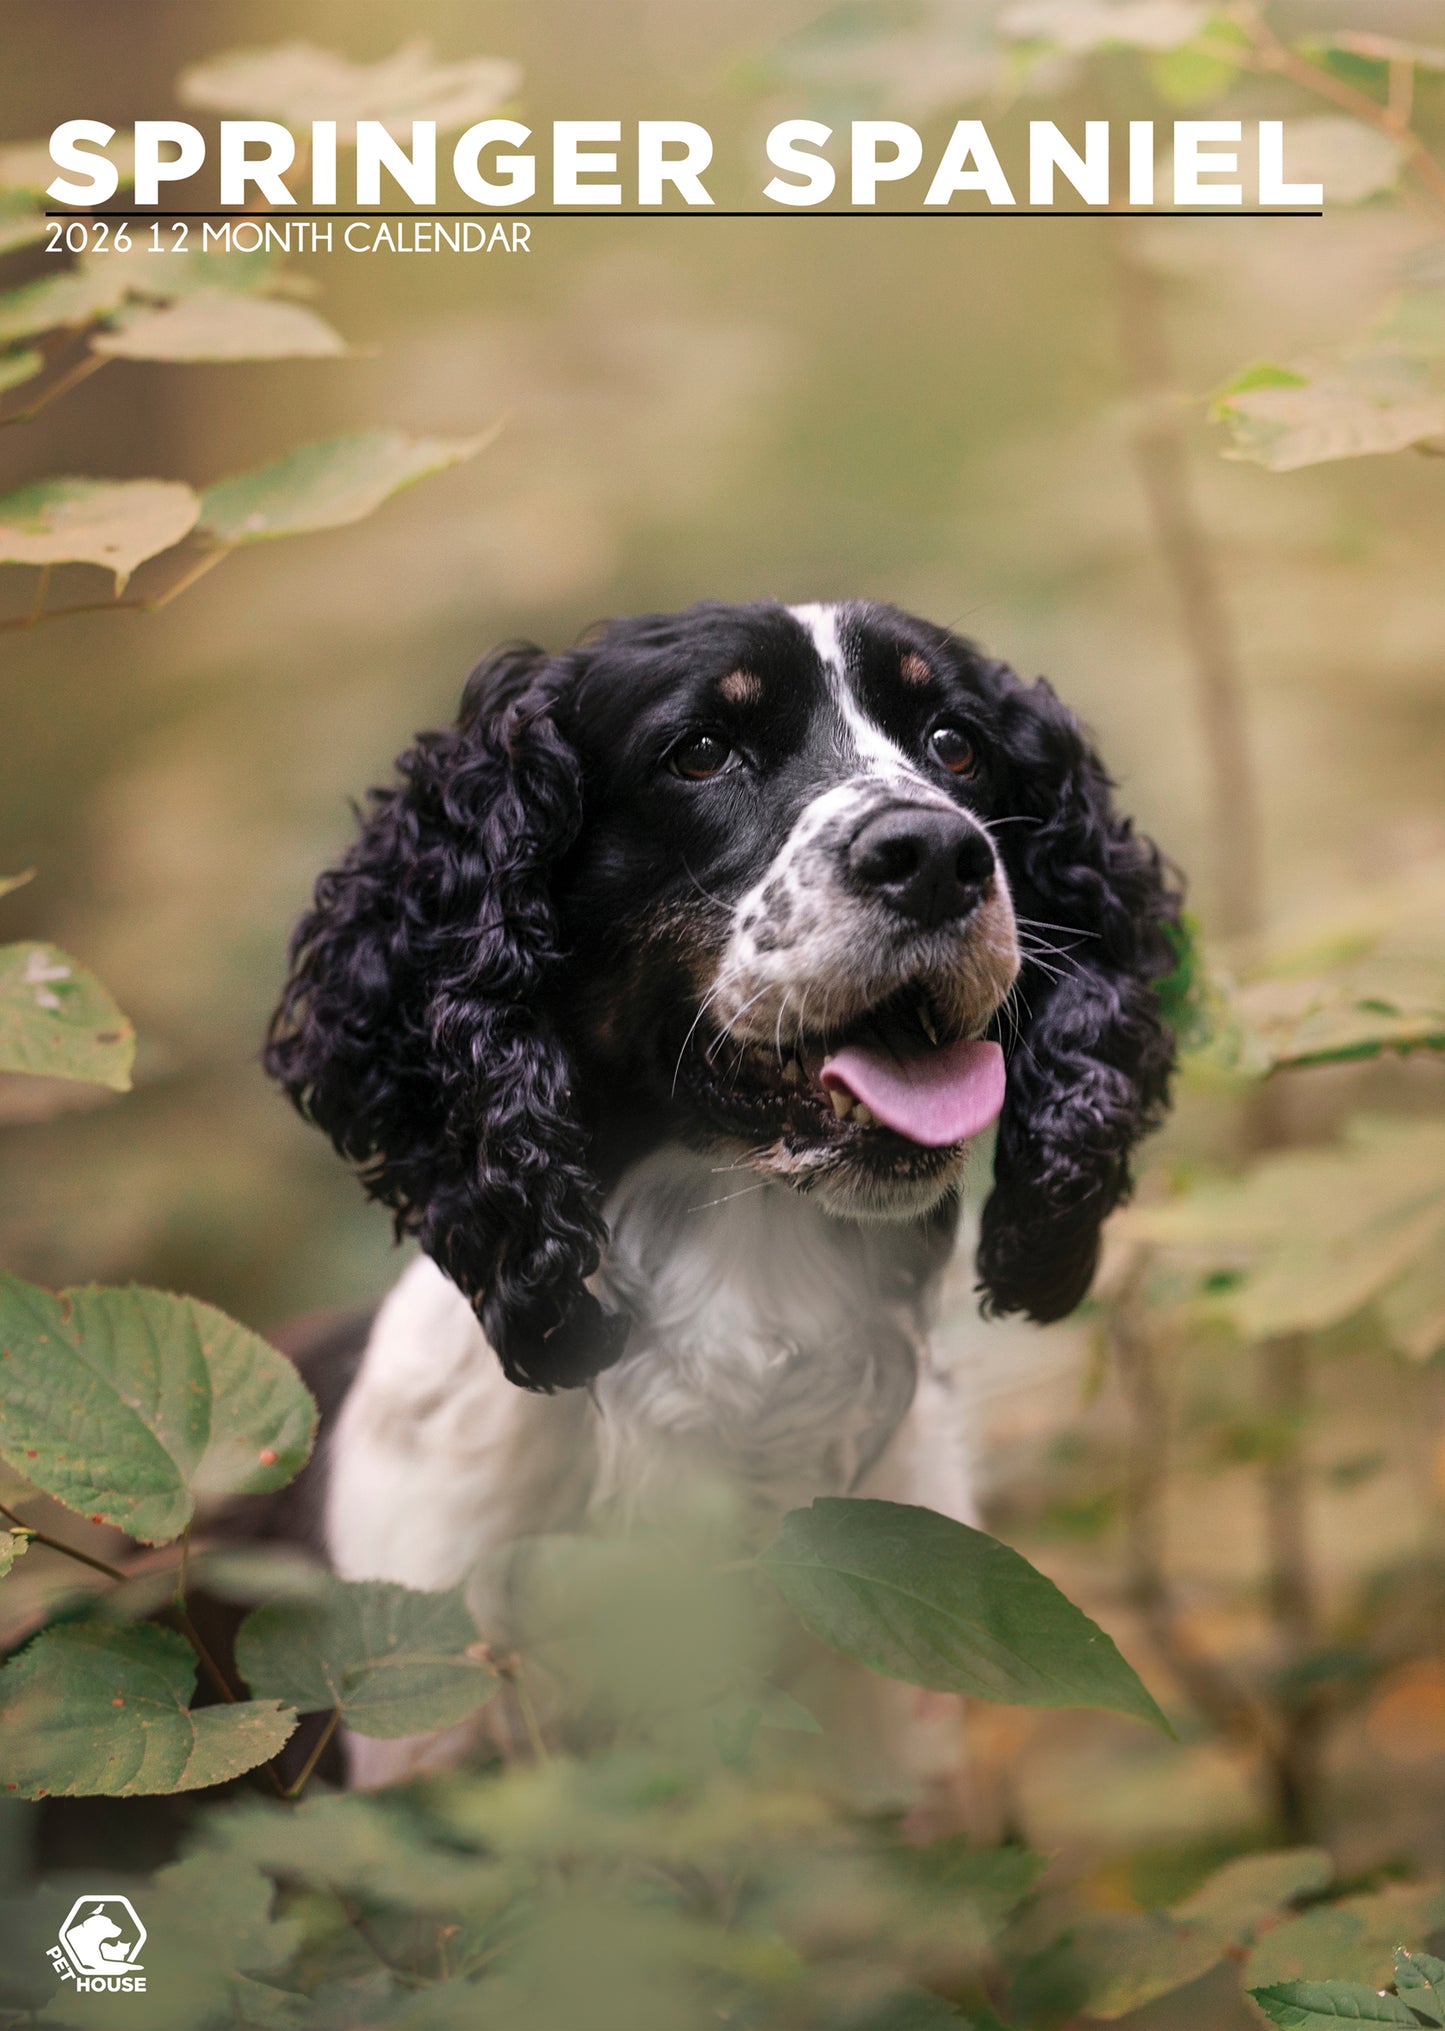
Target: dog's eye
point(952, 746)
point(700, 757)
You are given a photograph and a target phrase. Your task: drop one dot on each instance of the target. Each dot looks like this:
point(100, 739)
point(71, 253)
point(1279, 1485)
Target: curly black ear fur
point(1090, 1061)
point(413, 1027)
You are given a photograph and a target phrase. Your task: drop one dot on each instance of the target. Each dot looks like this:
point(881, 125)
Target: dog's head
point(820, 889)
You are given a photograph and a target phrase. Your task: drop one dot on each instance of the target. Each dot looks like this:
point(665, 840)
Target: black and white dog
point(660, 998)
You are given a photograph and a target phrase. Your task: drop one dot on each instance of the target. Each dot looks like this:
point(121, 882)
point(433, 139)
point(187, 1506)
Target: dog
point(660, 998)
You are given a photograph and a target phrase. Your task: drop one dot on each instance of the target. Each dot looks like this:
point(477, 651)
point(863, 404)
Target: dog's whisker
point(727, 1197)
point(1043, 924)
point(703, 1007)
point(778, 1027)
point(706, 894)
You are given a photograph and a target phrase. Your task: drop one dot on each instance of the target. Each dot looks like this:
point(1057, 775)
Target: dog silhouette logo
point(100, 1945)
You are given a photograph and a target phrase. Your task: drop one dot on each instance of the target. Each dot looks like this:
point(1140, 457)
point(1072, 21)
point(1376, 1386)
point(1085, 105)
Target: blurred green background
point(934, 412)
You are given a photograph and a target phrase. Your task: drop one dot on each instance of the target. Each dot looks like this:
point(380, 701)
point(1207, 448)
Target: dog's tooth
point(930, 1028)
point(792, 1073)
point(864, 1116)
point(842, 1102)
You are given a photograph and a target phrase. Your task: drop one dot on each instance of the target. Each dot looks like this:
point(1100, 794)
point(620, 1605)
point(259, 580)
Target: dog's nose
point(931, 865)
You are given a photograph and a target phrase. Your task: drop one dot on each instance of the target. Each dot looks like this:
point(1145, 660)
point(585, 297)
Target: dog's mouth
point(896, 1080)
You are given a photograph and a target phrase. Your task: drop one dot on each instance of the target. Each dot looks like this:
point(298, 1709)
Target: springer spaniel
point(660, 998)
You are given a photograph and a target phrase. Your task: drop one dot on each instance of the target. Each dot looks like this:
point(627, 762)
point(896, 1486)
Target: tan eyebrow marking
point(913, 670)
point(741, 687)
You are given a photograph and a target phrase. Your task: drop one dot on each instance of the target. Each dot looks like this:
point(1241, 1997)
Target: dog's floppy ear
point(414, 1026)
point(1090, 1058)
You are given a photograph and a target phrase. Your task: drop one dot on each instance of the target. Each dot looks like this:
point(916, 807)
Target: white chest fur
point(766, 1353)
point(764, 1350)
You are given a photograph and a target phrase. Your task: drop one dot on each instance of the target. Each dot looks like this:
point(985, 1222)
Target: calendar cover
point(722, 992)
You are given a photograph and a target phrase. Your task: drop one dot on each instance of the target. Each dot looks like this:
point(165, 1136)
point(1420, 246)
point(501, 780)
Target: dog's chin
point(909, 1191)
point(764, 1108)
point(858, 1174)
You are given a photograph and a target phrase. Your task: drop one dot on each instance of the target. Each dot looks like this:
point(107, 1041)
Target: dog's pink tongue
point(931, 1096)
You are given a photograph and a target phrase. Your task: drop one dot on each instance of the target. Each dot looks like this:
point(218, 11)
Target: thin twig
point(540, 1751)
point(153, 603)
point(507, 1666)
point(88, 364)
point(1161, 454)
point(1401, 102)
point(1291, 1586)
point(207, 561)
point(56, 1544)
point(181, 1616)
point(1284, 1371)
point(1215, 1692)
point(361, 1925)
point(308, 1768)
point(1269, 54)
point(42, 588)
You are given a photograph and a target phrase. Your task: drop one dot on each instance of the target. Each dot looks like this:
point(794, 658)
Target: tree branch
point(152, 603)
point(88, 364)
point(1161, 454)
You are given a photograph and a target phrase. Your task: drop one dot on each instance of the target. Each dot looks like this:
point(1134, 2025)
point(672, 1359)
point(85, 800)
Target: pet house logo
point(100, 1945)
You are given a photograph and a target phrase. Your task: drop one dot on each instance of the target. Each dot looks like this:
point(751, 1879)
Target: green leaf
point(19, 366)
point(1198, 71)
point(56, 1019)
point(211, 325)
point(916, 1596)
point(637, 1627)
point(1110, 1964)
point(128, 1405)
point(959, 1897)
point(324, 485)
point(1311, 1236)
point(1184, 992)
point(395, 1662)
point(1264, 374)
point(1421, 1979)
point(13, 1545)
point(251, 1573)
point(1333, 1021)
point(27, 165)
point(738, 1715)
point(114, 523)
point(78, 297)
point(1381, 49)
point(88, 1712)
point(1080, 26)
point(298, 83)
point(1355, 1937)
point(188, 271)
point(1236, 1900)
point(1320, 2006)
point(1375, 402)
point(1413, 1308)
point(370, 1843)
point(1119, 1963)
